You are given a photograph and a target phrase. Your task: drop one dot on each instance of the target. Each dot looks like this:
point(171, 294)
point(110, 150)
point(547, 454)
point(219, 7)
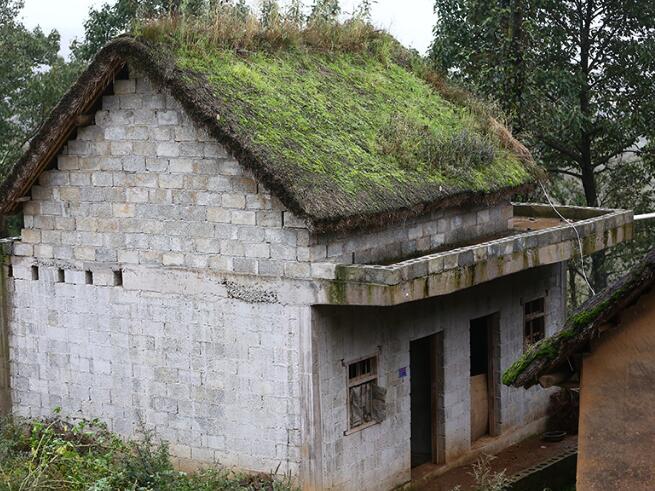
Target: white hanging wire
point(571, 224)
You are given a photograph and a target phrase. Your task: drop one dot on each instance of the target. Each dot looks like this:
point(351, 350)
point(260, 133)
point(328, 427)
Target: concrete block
point(323, 270)
point(218, 215)
point(174, 181)
point(84, 253)
point(131, 101)
point(123, 210)
point(68, 162)
point(138, 132)
point(134, 163)
point(297, 270)
point(291, 221)
point(123, 87)
point(229, 200)
point(31, 236)
point(173, 259)
point(258, 250)
point(244, 265)
point(120, 148)
point(43, 251)
point(181, 166)
point(167, 118)
point(240, 217)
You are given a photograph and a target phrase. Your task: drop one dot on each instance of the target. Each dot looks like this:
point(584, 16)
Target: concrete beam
point(450, 271)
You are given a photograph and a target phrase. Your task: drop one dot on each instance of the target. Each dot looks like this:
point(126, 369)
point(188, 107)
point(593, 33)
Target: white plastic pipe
point(645, 216)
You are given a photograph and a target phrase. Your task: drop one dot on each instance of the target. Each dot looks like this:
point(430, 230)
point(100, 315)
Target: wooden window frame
point(529, 318)
point(357, 381)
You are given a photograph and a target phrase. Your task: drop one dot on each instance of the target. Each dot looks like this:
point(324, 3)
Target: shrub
point(410, 141)
point(58, 454)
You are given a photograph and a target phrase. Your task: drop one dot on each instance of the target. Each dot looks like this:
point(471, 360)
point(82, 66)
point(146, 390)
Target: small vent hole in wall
point(118, 278)
point(61, 276)
point(88, 277)
point(10, 271)
point(35, 273)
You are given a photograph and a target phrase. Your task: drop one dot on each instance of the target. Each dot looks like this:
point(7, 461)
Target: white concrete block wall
point(378, 457)
point(412, 237)
point(215, 376)
point(145, 186)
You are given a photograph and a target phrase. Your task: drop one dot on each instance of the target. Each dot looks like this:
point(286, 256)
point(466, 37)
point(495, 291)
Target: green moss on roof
point(353, 132)
point(337, 115)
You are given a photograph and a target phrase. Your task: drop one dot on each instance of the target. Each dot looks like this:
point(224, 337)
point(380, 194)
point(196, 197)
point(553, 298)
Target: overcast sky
point(410, 21)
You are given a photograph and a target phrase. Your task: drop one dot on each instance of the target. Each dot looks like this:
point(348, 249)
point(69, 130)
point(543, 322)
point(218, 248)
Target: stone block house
point(252, 254)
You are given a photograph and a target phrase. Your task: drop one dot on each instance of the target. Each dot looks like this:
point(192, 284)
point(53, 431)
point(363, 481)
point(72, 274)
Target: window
point(35, 273)
point(88, 277)
point(61, 276)
point(534, 322)
point(365, 397)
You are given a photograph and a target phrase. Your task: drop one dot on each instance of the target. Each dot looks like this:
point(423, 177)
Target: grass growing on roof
point(342, 112)
point(354, 118)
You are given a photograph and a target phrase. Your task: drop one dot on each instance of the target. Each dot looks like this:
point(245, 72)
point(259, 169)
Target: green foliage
point(414, 144)
point(577, 80)
point(60, 455)
point(363, 10)
point(548, 348)
point(486, 479)
point(325, 11)
point(33, 79)
point(115, 18)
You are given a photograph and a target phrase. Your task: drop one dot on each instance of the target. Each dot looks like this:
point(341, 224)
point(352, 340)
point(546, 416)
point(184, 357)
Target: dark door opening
point(485, 376)
point(426, 400)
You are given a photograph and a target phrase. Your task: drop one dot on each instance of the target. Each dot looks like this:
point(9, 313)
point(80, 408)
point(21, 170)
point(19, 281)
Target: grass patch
point(57, 454)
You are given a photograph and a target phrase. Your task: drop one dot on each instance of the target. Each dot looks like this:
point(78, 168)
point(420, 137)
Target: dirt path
point(513, 460)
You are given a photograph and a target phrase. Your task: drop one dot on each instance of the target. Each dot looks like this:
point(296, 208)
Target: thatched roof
point(557, 353)
point(343, 139)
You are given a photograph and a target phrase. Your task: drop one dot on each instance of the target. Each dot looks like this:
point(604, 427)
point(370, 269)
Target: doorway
point(485, 376)
point(426, 400)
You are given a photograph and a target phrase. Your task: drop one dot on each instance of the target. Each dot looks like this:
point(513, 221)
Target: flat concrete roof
point(537, 235)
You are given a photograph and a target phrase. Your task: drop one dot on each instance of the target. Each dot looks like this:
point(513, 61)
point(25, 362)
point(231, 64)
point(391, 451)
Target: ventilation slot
point(88, 277)
point(118, 278)
point(35, 273)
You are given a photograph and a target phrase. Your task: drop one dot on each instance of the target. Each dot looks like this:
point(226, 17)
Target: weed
point(58, 454)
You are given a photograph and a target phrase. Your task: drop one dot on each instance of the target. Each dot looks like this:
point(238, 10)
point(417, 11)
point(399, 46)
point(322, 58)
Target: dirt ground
point(513, 460)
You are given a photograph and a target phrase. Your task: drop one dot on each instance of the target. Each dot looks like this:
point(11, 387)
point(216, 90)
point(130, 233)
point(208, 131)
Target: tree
point(34, 77)
point(324, 11)
point(577, 80)
point(109, 21)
